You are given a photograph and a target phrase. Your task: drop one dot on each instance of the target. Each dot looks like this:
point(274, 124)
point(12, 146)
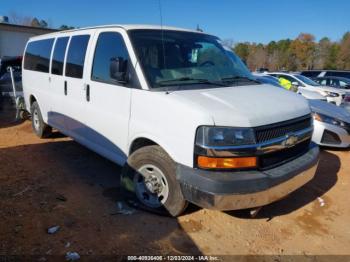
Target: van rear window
point(76, 56)
point(37, 55)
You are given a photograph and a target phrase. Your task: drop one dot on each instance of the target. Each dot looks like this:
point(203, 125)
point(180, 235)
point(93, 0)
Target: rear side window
point(76, 56)
point(110, 45)
point(58, 55)
point(37, 56)
point(323, 82)
point(334, 82)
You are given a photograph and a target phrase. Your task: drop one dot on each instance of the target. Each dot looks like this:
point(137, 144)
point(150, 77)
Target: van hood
point(246, 106)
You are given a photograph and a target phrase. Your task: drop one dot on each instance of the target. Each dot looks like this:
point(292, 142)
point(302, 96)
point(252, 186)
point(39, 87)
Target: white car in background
point(333, 95)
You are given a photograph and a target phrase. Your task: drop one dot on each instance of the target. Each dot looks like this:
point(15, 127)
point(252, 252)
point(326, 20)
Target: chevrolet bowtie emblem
point(290, 141)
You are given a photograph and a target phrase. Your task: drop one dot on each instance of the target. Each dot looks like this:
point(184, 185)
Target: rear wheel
point(40, 128)
point(150, 178)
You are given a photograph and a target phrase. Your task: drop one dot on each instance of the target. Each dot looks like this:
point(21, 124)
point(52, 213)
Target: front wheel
point(150, 177)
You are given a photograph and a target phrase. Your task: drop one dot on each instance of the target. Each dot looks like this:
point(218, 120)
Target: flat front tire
point(40, 128)
point(149, 177)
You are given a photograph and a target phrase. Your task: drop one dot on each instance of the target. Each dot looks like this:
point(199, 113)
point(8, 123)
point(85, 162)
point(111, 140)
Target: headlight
point(329, 94)
point(224, 136)
point(328, 119)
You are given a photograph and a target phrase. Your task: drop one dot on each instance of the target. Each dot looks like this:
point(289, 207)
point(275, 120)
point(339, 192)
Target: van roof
point(123, 26)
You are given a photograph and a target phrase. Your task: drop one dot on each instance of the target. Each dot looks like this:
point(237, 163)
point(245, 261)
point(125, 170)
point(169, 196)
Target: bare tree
point(19, 19)
point(228, 42)
point(344, 52)
point(257, 57)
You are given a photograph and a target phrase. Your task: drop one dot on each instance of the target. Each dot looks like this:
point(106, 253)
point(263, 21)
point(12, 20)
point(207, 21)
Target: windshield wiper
point(195, 81)
point(238, 78)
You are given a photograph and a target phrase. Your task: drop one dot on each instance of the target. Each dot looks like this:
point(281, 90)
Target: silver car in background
point(331, 124)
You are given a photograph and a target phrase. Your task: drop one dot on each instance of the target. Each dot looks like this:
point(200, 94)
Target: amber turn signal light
point(226, 163)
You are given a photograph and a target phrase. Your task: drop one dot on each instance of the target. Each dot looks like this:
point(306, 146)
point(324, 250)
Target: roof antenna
point(199, 29)
point(162, 31)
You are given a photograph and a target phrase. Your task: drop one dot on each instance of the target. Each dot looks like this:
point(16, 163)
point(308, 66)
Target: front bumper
point(342, 134)
point(246, 189)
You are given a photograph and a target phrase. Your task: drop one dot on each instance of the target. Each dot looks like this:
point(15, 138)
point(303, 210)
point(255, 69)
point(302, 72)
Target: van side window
point(58, 55)
point(76, 56)
point(37, 55)
point(110, 45)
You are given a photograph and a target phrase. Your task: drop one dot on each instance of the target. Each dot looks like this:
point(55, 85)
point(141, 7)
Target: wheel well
point(139, 143)
point(32, 99)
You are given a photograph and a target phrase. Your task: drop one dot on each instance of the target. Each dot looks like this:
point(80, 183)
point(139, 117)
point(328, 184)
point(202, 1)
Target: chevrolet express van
point(187, 122)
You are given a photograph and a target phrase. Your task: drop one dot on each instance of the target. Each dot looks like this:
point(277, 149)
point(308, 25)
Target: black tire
point(40, 128)
point(154, 155)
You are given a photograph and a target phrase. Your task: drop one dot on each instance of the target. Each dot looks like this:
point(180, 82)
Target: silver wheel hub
point(151, 186)
point(36, 119)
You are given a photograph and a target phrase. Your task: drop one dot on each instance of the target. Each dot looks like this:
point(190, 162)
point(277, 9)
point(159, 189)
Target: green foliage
point(242, 50)
point(298, 54)
point(35, 22)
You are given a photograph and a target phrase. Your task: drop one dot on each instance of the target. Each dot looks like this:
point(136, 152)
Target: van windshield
point(186, 60)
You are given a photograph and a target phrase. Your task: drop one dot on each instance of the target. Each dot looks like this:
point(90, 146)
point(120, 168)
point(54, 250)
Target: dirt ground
point(56, 181)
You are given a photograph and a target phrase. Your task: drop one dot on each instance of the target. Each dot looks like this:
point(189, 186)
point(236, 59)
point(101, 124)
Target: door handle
point(65, 88)
point(87, 90)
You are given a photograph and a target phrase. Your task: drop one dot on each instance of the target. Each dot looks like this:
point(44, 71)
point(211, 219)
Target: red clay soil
point(56, 181)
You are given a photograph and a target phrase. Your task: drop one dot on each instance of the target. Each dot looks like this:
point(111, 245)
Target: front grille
point(279, 157)
point(268, 132)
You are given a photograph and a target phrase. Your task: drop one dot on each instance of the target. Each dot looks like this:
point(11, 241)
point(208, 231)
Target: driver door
point(107, 102)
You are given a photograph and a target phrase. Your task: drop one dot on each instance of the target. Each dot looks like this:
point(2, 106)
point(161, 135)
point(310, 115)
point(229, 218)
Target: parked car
point(187, 123)
point(262, 70)
point(333, 95)
point(267, 79)
point(322, 73)
point(346, 106)
point(331, 124)
point(5, 62)
point(6, 82)
point(335, 81)
point(6, 88)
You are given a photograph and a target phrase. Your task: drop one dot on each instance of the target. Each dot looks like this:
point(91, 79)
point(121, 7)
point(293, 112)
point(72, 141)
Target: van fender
point(165, 146)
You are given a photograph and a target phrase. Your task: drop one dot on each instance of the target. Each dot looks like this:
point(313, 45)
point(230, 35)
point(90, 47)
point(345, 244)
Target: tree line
point(18, 19)
point(302, 53)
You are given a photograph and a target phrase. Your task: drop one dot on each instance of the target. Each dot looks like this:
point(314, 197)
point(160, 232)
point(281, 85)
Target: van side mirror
point(118, 69)
point(295, 83)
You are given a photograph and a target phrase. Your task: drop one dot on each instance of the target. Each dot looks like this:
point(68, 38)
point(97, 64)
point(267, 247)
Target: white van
point(188, 123)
